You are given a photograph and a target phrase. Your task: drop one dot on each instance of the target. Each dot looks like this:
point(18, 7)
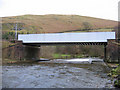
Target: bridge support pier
point(105, 53)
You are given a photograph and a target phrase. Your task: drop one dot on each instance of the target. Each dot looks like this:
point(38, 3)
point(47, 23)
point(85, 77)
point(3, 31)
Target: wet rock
point(109, 82)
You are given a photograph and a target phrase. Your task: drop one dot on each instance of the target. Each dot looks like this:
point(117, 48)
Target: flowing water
point(57, 74)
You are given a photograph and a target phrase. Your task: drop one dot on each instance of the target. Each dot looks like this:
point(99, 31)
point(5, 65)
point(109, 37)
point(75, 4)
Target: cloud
point(94, 8)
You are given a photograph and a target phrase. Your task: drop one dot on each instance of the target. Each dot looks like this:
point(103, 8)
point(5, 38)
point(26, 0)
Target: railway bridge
point(83, 38)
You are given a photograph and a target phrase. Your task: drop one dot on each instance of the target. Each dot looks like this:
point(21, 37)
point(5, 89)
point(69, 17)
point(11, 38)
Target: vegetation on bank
point(115, 74)
point(71, 51)
point(116, 71)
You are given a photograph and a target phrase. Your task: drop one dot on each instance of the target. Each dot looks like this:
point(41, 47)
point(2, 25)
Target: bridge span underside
point(67, 43)
point(71, 43)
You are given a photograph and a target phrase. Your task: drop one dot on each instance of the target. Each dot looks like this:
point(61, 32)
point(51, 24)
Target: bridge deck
point(67, 38)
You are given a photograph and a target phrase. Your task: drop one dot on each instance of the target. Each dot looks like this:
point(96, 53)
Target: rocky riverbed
point(56, 75)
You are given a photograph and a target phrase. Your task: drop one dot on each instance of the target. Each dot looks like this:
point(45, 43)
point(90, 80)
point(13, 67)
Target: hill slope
point(55, 23)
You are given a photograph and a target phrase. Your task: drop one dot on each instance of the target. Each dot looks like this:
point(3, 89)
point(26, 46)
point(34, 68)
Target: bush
point(117, 83)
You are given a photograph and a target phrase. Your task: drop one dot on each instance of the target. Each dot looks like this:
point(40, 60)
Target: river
point(51, 74)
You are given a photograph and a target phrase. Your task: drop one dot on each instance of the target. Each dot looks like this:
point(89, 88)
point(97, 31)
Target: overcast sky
point(106, 9)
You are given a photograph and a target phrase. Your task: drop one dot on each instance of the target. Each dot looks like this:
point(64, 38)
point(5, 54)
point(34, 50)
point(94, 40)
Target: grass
point(64, 56)
point(61, 56)
point(6, 44)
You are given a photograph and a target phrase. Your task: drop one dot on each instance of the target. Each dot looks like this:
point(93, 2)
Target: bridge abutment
point(113, 51)
point(21, 52)
point(31, 52)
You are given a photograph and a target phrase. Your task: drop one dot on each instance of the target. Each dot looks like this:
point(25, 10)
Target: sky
point(106, 9)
